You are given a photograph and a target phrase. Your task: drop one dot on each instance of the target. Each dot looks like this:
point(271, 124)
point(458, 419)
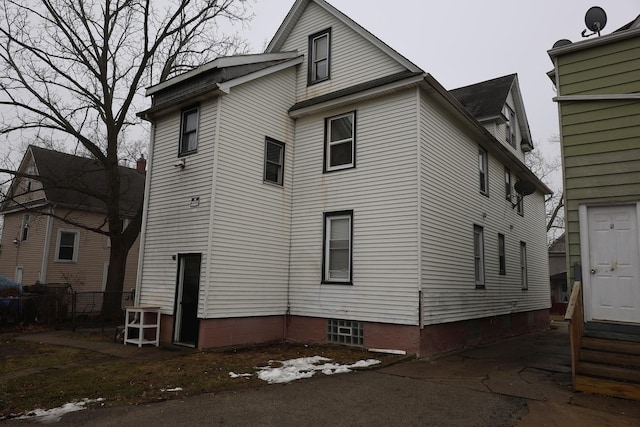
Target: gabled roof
point(298, 9)
point(79, 182)
point(485, 99)
point(226, 68)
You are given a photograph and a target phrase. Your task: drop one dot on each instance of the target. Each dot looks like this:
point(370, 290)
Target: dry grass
point(35, 375)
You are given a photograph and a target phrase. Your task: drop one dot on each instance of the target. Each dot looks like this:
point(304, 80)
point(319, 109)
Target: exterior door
point(187, 296)
point(613, 271)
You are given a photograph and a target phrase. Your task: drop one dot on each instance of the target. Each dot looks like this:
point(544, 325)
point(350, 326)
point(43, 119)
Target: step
point(607, 387)
point(626, 375)
point(609, 358)
point(609, 345)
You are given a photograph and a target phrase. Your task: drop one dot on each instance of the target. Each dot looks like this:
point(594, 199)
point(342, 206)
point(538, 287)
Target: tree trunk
point(112, 302)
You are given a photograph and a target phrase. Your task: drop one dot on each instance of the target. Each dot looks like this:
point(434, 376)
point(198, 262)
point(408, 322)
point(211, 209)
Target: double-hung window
point(189, 131)
point(67, 246)
point(24, 233)
point(337, 259)
point(478, 255)
point(340, 142)
point(507, 184)
point(524, 280)
point(502, 255)
point(483, 169)
point(273, 161)
point(510, 126)
point(319, 56)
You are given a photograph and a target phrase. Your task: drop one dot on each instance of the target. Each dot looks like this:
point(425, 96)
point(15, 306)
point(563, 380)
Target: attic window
point(510, 126)
point(319, 56)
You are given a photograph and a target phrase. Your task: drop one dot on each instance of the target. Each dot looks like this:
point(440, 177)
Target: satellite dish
point(561, 42)
point(595, 19)
point(524, 188)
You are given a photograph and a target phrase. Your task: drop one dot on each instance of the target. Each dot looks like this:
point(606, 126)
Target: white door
point(614, 275)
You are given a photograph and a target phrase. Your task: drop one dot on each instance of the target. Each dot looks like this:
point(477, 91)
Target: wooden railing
point(575, 316)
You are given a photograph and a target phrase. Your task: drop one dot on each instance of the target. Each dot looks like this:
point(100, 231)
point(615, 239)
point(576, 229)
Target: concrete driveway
point(524, 381)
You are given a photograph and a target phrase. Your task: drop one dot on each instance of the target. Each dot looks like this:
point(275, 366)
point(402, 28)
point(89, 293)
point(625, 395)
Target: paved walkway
point(524, 381)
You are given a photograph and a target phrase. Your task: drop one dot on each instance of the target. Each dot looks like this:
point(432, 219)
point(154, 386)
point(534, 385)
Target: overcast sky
point(461, 42)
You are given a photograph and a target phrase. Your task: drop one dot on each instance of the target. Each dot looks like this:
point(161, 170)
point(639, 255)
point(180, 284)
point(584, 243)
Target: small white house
point(329, 190)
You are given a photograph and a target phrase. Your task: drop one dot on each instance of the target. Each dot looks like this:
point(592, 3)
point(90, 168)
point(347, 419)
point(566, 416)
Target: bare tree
point(547, 170)
point(72, 71)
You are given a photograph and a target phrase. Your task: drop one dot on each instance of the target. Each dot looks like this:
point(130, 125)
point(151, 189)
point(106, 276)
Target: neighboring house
point(558, 275)
point(38, 247)
point(329, 190)
point(598, 96)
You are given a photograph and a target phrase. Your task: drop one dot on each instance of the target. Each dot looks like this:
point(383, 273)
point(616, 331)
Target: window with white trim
point(189, 131)
point(24, 229)
point(507, 184)
point(319, 57)
point(273, 161)
point(340, 142)
point(502, 255)
point(483, 169)
point(67, 246)
point(336, 261)
point(478, 255)
point(524, 279)
point(520, 204)
point(510, 126)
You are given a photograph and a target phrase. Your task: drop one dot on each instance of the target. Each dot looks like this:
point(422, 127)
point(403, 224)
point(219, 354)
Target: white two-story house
point(329, 190)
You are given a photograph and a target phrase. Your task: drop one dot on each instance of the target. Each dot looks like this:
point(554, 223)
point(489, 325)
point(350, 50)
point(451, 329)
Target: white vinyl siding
point(249, 257)
point(382, 192)
point(353, 59)
point(173, 226)
point(448, 276)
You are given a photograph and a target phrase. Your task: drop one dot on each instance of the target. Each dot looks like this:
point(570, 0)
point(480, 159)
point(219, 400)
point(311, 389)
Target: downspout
point(45, 250)
point(212, 204)
point(419, 210)
point(145, 213)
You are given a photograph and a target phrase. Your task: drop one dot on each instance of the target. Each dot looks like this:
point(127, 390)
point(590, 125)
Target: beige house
point(39, 246)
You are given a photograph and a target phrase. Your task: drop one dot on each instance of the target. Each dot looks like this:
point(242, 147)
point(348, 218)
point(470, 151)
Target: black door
point(186, 326)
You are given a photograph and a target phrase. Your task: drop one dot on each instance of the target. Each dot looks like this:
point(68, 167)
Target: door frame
point(177, 308)
point(584, 249)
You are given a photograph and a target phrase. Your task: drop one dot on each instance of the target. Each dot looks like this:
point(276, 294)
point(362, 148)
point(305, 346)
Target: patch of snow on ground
point(172, 389)
point(234, 375)
point(48, 416)
point(304, 367)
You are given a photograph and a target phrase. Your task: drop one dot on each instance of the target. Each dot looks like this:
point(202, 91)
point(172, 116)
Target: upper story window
point(336, 260)
point(273, 161)
point(483, 168)
point(520, 205)
point(507, 184)
point(24, 230)
point(67, 246)
point(510, 126)
point(189, 131)
point(340, 142)
point(319, 56)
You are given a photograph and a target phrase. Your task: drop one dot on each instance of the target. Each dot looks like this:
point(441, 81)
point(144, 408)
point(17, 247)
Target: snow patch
point(286, 371)
point(49, 416)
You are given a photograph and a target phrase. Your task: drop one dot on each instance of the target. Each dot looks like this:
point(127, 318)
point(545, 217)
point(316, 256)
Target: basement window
point(347, 332)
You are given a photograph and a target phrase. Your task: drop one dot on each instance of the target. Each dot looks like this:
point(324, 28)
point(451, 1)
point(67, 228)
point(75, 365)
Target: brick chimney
point(141, 165)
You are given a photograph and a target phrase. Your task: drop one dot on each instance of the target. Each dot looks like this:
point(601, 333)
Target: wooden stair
point(608, 366)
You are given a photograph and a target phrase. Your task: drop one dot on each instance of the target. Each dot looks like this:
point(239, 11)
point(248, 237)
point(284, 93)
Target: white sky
point(461, 42)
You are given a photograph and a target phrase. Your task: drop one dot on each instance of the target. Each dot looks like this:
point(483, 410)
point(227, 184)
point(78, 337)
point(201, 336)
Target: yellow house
point(47, 235)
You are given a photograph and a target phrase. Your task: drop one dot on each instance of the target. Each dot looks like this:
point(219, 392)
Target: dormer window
point(510, 126)
point(319, 56)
